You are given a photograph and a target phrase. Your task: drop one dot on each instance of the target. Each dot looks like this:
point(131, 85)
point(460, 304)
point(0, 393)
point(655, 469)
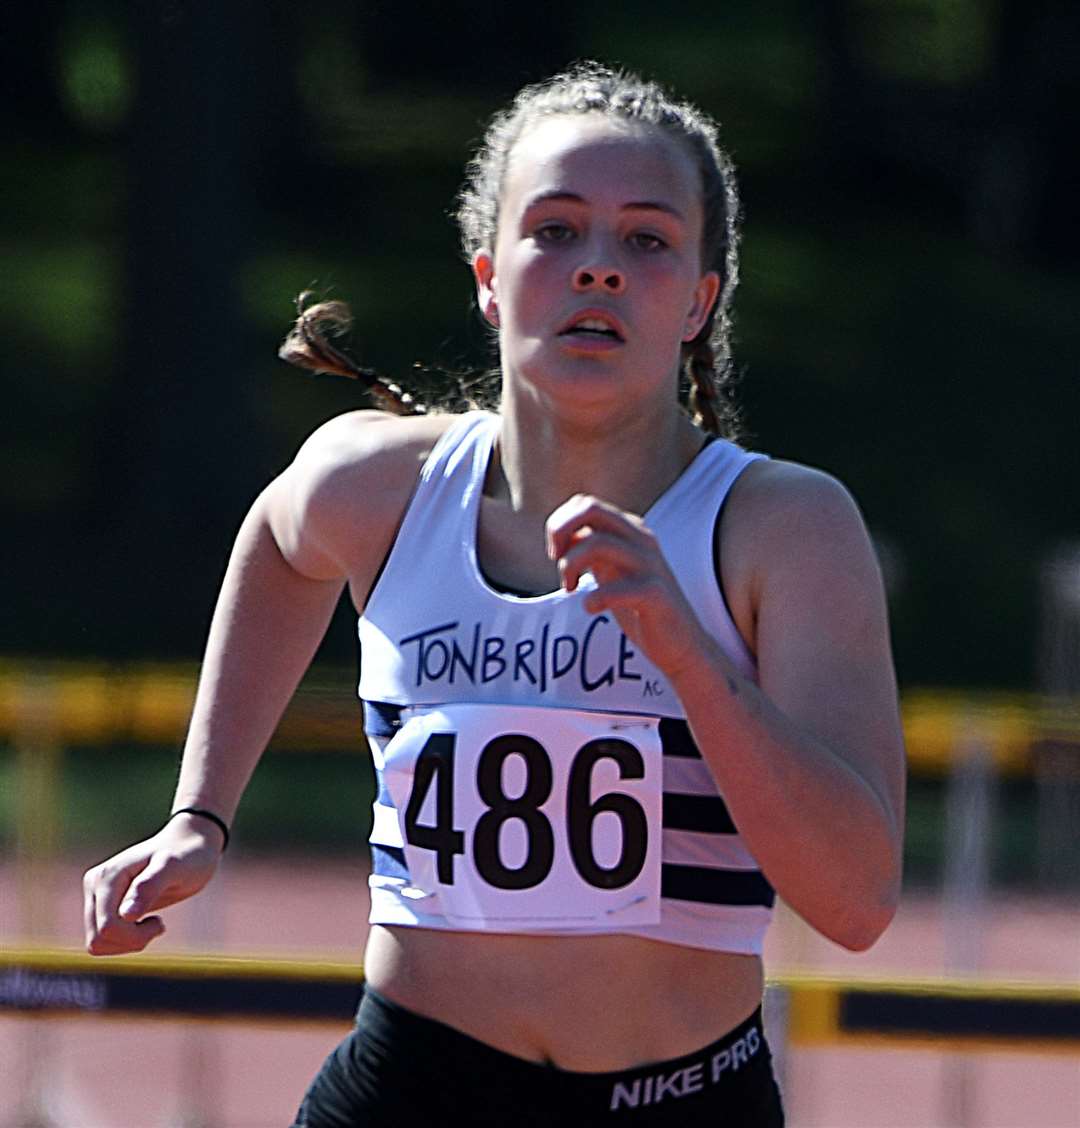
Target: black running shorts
point(398, 1068)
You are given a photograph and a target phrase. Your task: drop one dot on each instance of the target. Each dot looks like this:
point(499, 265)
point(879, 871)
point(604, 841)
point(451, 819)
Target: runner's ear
point(483, 268)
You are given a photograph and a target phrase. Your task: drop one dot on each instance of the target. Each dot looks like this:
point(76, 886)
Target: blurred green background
point(176, 172)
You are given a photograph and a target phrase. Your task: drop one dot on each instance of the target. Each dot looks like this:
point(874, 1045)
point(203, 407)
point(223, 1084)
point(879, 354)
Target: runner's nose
point(607, 278)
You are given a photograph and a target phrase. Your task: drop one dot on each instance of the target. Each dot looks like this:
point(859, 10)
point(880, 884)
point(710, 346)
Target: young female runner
point(621, 678)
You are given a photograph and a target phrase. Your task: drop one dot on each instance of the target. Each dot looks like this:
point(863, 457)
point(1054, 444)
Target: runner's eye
point(647, 241)
point(554, 232)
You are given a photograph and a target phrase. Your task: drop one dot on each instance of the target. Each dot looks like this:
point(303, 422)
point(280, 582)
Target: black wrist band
point(206, 815)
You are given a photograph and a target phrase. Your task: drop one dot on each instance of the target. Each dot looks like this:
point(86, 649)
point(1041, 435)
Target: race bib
point(520, 818)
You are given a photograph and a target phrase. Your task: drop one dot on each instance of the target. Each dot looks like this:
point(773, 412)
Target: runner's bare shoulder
point(334, 511)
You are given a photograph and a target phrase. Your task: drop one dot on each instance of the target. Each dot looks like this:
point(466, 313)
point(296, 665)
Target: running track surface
point(116, 1073)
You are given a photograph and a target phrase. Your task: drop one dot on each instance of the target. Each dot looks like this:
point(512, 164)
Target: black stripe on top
point(715, 886)
point(389, 861)
point(706, 814)
point(381, 718)
point(676, 739)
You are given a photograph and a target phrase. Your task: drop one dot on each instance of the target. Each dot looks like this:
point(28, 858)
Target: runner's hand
point(151, 875)
point(633, 579)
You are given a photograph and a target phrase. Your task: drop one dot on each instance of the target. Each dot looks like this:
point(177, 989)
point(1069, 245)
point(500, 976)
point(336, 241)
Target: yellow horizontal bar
point(961, 987)
point(74, 961)
point(41, 958)
point(70, 703)
point(152, 705)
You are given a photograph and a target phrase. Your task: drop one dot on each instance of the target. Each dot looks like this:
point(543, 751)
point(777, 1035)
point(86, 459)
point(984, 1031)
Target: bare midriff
point(583, 1003)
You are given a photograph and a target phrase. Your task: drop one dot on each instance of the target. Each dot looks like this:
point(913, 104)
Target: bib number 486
point(435, 768)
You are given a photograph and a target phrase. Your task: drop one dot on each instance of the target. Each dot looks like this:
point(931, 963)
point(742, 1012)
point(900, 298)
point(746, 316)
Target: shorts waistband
point(734, 1061)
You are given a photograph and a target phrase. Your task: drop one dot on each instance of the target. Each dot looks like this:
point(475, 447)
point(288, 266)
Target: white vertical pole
point(776, 1019)
point(1057, 755)
point(969, 816)
point(37, 821)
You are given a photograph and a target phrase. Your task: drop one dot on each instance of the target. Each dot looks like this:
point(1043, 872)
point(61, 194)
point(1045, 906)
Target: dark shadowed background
point(175, 172)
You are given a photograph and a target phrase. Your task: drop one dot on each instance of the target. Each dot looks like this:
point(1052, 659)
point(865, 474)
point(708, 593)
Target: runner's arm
point(283, 581)
point(811, 758)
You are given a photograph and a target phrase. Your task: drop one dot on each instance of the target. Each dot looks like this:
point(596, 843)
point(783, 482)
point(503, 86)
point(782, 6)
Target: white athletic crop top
point(535, 772)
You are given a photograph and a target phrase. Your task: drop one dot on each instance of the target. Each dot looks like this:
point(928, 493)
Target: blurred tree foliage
point(177, 171)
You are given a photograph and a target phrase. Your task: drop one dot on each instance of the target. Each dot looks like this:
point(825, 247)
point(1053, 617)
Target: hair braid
point(307, 346)
point(711, 379)
point(705, 404)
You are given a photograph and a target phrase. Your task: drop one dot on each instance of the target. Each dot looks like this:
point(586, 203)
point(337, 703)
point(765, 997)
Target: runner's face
point(600, 221)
